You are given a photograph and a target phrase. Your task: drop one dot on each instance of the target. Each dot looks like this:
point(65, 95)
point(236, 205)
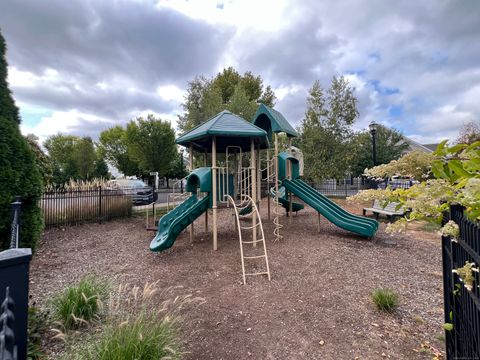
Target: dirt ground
point(316, 306)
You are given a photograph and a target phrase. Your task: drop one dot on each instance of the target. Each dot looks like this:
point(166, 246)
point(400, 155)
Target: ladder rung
point(259, 273)
point(244, 242)
point(250, 227)
point(254, 257)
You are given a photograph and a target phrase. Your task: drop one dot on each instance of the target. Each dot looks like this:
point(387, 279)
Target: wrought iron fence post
point(15, 228)
point(8, 349)
point(14, 273)
point(100, 204)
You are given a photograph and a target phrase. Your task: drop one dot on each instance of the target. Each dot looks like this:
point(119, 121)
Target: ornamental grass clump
point(79, 303)
point(139, 325)
point(385, 299)
point(141, 337)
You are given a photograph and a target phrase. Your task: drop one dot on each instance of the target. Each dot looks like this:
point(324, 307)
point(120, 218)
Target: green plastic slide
point(283, 200)
point(330, 210)
point(172, 224)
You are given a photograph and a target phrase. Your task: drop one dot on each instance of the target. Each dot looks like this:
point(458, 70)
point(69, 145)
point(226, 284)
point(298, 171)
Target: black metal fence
point(64, 206)
point(342, 187)
point(462, 307)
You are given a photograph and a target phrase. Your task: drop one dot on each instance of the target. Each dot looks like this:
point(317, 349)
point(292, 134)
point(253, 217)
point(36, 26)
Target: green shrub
point(385, 299)
point(19, 173)
point(79, 303)
point(142, 337)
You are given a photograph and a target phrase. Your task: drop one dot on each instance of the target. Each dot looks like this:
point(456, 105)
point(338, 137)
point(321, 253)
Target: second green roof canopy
point(229, 130)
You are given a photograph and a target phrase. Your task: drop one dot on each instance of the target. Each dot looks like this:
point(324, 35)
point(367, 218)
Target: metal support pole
point(206, 221)
point(276, 185)
point(181, 167)
point(191, 169)
point(214, 191)
point(254, 189)
point(268, 183)
point(290, 176)
point(374, 148)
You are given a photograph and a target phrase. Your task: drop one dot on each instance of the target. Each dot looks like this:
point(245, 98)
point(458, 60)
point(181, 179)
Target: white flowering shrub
point(456, 172)
point(416, 164)
point(450, 229)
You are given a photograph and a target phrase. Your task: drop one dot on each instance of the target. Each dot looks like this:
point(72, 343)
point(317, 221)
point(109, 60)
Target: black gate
point(462, 307)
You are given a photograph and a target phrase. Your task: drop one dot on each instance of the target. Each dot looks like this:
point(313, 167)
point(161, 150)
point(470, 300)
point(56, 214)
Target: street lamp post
point(373, 131)
point(181, 167)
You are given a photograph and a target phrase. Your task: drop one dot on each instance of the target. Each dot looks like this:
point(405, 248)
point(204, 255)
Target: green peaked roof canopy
point(229, 130)
point(272, 121)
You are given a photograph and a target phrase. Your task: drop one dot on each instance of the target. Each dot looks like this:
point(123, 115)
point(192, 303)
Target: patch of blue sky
point(383, 90)
point(395, 111)
point(358, 72)
point(32, 115)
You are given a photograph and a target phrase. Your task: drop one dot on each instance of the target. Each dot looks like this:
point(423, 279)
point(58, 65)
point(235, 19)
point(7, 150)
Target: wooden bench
point(390, 210)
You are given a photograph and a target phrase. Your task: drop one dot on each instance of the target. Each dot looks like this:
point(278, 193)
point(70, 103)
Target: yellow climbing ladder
point(245, 202)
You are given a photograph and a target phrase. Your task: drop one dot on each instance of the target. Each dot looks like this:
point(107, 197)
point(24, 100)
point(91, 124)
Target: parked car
point(139, 192)
point(398, 182)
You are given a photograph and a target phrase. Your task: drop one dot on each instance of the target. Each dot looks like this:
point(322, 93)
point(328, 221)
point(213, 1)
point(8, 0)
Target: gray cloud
point(127, 44)
point(425, 51)
point(419, 57)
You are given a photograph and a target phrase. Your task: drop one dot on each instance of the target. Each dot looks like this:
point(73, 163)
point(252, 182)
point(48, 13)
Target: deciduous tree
point(151, 143)
point(469, 133)
point(227, 90)
point(113, 146)
point(326, 129)
point(389, 146)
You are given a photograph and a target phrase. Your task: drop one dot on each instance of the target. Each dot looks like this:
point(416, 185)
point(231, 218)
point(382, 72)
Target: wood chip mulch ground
point(317, 305)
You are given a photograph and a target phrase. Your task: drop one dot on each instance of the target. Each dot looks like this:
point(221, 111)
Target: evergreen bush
point(19, 173)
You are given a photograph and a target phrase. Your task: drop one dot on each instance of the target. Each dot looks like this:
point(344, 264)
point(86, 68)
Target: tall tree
point(228, 89)
point(61, 151)
point(151, 142)
point(326, 128)
point(178, 168)
point(84, 158)
point(100, 170)
point(72, 157)
point(19, 173)
point(469, 133)
point(390, 145)
point(240, 103)
point(113, 147)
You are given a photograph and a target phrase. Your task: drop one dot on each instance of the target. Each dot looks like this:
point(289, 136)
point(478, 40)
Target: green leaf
point(455, 149)
point(473, 146)
point(441, 148)
point(448, 326)
point(438, 170)
point(457, 167)
point(472, 164)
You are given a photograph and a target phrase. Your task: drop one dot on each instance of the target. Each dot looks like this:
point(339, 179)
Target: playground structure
point(241, 158)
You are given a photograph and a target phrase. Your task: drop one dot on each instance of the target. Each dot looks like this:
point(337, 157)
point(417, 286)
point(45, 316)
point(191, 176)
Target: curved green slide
point(283, 200)
point(330, 210)
point(172, 224)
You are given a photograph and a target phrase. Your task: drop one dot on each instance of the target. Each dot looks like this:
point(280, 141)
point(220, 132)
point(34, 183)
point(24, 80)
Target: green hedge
point(19, 174)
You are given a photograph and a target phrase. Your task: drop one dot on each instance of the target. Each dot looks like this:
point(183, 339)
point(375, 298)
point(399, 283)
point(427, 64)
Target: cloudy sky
point(81, 66)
